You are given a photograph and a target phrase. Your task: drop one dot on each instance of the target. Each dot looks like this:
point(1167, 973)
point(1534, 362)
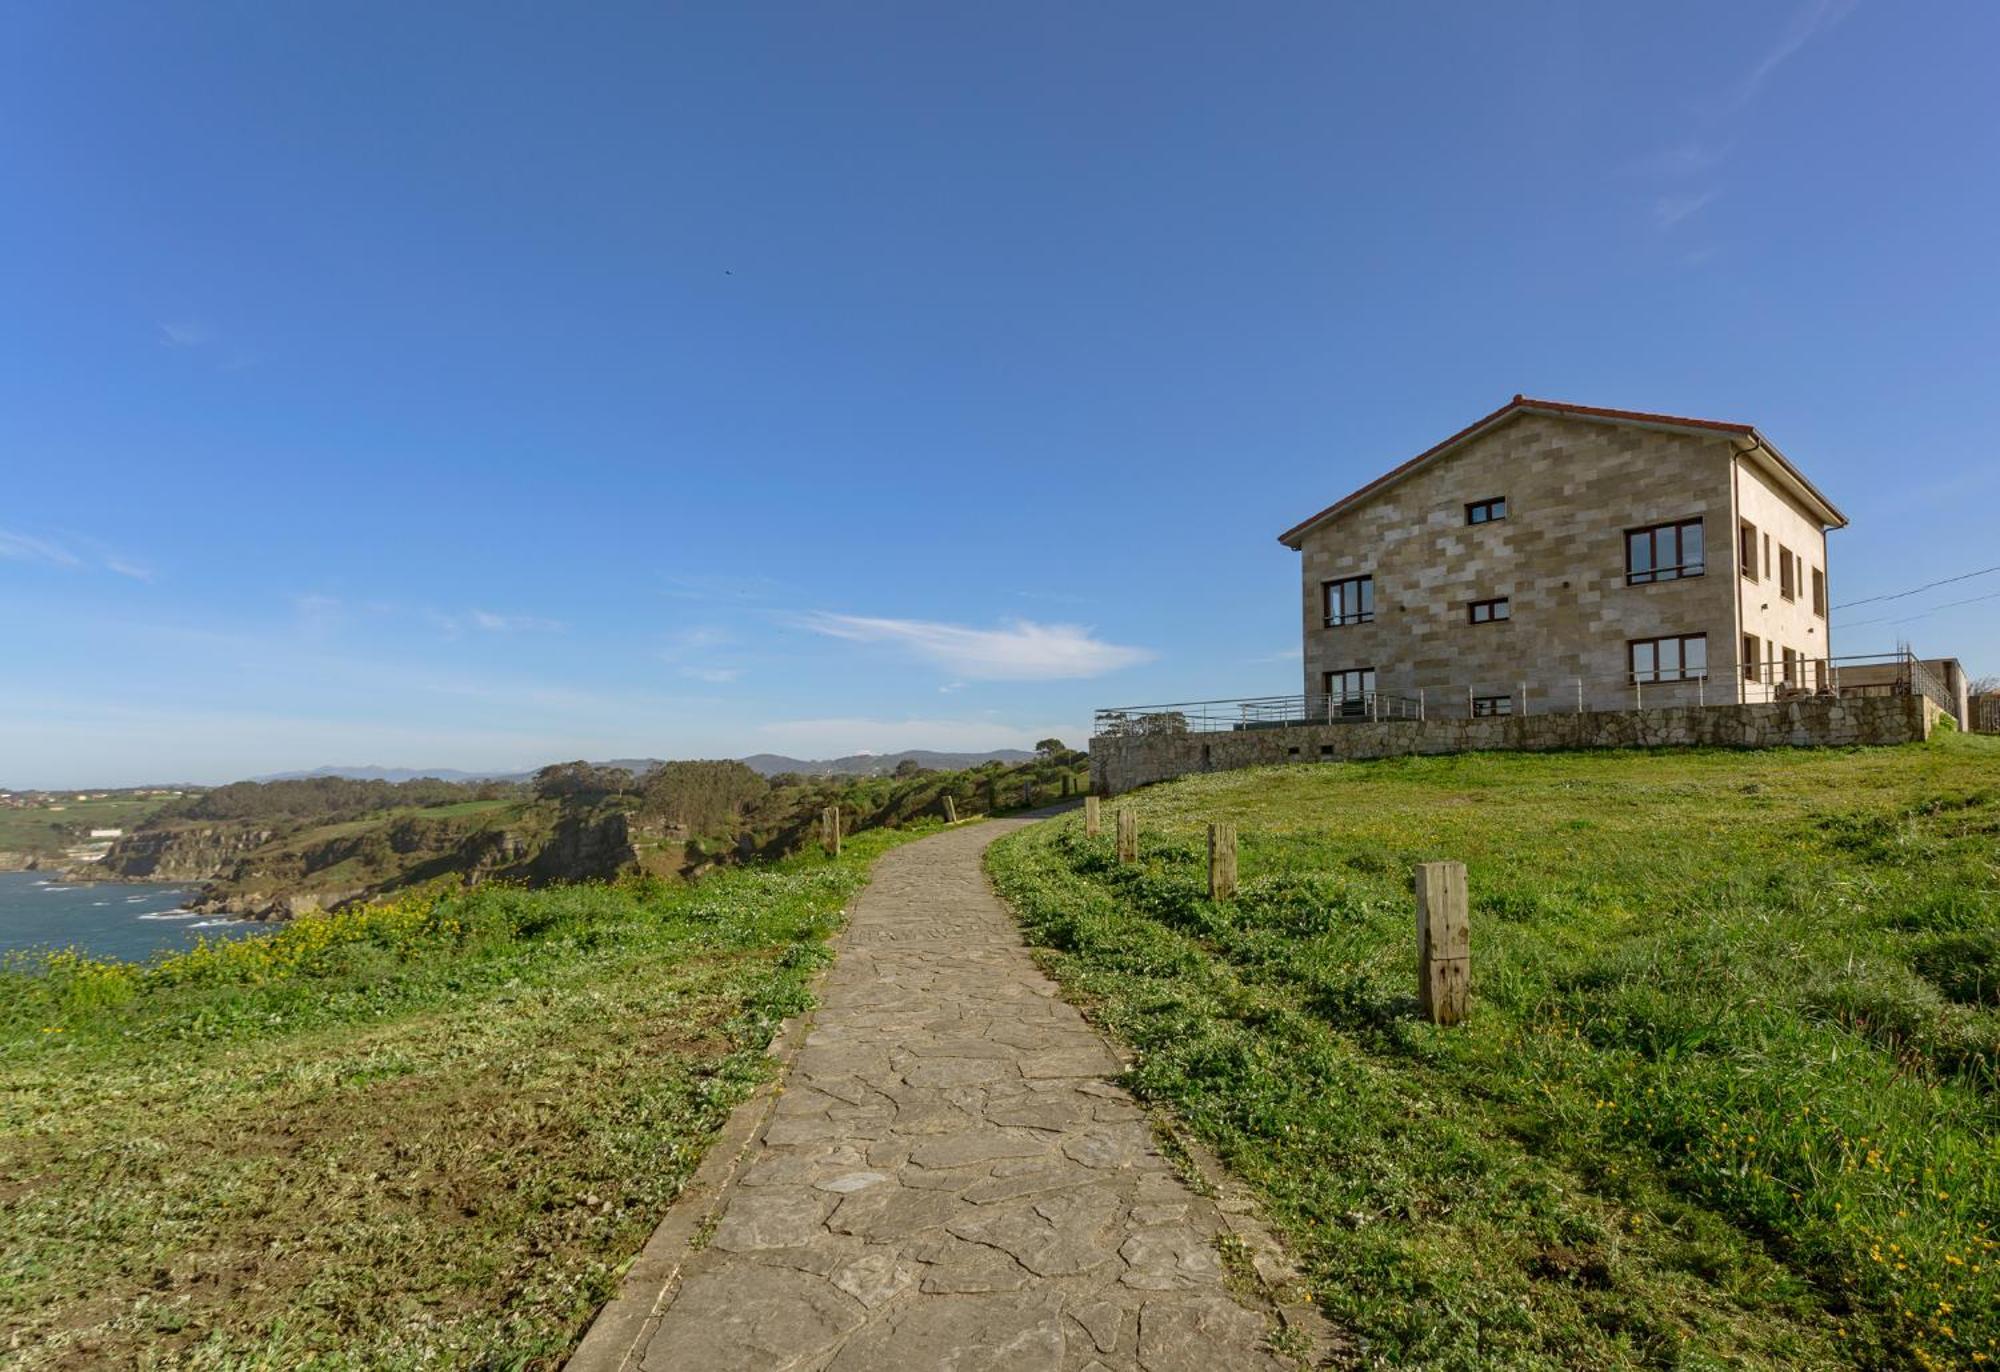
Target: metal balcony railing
point(1253, 712)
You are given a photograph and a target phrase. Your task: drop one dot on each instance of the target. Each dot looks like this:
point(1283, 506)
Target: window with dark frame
point(1350, 600)
point(1819, 591)
point(1348, 690)
point(1664, 552)
point(1676, 657)
point(1486, 511)
point(1788, 577)
point(1488, 611)
point(1750, 647)
point(1747, 549)
point(1485, 706)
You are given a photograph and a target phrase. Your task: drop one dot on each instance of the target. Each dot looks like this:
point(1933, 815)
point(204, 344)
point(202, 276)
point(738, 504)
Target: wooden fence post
point(1066, 785)
point(950, 810)
point(1027, 795)
point(1221, 861)
point(1128, 836)
point(1444, 942)
point(829, 830)
point(1093, 817)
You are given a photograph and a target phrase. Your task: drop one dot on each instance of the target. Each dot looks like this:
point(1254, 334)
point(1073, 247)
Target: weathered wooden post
point(1444, 942)
point(1093, 817)
point(1027, 795)
point(1128, 836)
point(1221, 861)
point(992, 794)
point(829, 830)
point(1066, 780)
point(950, 810)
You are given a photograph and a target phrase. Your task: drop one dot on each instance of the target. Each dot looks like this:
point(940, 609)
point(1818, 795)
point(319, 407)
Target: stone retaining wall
point(1121, 762)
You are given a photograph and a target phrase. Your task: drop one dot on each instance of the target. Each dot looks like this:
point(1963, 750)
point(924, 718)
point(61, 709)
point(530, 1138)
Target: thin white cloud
point(1669, 210)
point(714, 676)
point(1020, 650)
point(1691, 160)
point(513, 624)
point(186, 334)
point(131, 569)
point(27, 548)
point(1808, 21)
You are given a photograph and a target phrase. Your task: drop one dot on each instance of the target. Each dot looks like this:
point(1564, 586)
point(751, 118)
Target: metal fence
point(1535, 689)
point(1254, 712)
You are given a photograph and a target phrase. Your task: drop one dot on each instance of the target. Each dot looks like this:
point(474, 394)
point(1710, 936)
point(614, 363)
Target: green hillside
point(429, 1133)
point(1730, 1090)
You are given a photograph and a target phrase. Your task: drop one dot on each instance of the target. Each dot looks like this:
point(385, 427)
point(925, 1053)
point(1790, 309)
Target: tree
point(563, 780)
point(909, 767)
point(1052, 749)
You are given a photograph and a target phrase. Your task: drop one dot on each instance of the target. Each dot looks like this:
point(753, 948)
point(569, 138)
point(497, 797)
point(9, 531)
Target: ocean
point(108, 920)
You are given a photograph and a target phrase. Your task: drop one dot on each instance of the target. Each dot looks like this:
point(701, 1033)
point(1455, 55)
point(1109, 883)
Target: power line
point(1983, 571)
point(1904, 619)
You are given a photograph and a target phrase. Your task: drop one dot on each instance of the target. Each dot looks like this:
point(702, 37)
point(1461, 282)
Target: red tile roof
point(1558, 407)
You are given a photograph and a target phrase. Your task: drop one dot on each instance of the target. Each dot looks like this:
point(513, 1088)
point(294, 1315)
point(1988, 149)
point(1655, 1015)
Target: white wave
point(170, 914)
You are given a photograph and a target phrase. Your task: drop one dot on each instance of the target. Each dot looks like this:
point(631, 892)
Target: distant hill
point(635, 765)
point(397, 774)
point(870, 764)
point(766, 764)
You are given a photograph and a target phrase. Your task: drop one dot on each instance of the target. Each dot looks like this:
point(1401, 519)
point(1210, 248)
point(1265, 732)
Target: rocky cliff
point(180, 852)
point(535, 843)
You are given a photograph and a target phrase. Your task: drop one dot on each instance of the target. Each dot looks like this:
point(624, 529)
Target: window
point(1750, 647)
point(1819, 592)
point(1485, 706)
point(1664, 552)
point(1488, 611)
point(1347, 692)
point(1350, 602)
point(1486, 511)
point(1680, 657)
point(1767, 555)
point(1791, 667)
point(1788, 577)
point(1746, 549)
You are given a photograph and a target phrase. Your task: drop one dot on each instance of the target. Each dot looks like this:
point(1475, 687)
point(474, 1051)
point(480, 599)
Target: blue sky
point(473, 386)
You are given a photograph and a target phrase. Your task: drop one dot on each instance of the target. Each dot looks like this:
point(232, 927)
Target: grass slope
point(45, 832)
point(426, 1134)
point(1728, 1095)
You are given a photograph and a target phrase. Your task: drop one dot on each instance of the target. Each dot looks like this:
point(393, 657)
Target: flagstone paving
point(949, 1178)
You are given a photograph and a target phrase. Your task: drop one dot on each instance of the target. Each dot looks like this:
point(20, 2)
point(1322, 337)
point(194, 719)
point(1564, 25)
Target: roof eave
point(1829, 514)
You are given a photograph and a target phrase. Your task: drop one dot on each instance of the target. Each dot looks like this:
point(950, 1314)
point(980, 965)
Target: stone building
point(1562, 557)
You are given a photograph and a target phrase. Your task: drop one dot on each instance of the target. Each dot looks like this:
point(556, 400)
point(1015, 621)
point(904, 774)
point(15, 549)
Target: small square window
point(1486, 511)
point(1350, 601)
point(1488, 611)
point(1484, 707)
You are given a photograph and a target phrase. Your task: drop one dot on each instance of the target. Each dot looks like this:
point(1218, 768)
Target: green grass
point(1728, 1092)
point(47, 832)
point(426, 1134)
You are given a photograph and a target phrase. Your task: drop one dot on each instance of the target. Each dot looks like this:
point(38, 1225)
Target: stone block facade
point(1121, 762)
point(1575, 484)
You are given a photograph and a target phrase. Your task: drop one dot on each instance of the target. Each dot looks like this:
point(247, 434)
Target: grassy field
point(47, 832)
point(425, 1134)
point(1728, 1094)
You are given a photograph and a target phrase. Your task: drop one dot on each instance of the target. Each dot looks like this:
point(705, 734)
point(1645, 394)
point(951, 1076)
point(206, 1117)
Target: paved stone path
point(949, 1179)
